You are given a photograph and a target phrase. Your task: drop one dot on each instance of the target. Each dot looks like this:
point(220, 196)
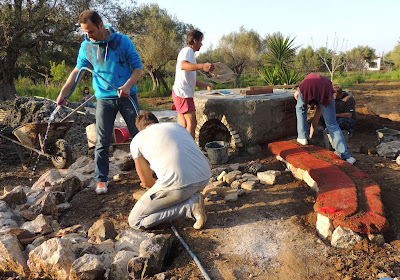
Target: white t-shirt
point(173, 155)
point(185, 81)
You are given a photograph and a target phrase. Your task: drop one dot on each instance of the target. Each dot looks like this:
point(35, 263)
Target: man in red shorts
point(185, 81)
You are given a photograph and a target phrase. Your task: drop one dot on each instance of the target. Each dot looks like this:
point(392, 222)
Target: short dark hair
point(193, 34)
point(338, 88)
point(91, 15)
point(144, 119)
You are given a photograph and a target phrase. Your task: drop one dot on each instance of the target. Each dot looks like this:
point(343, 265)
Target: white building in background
point(375, 64)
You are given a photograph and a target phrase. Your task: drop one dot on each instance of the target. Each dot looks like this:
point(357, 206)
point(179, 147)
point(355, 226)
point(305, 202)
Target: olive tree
point(358, 57)
point(240, 50)
point(30, 30)
point(308, 60)
point(157, 36)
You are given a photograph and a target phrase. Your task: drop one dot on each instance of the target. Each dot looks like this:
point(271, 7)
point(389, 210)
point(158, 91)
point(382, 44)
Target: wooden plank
point(255, 91)
point(273, 87)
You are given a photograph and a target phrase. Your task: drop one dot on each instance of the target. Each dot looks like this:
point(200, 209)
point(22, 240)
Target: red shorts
point(183, 105)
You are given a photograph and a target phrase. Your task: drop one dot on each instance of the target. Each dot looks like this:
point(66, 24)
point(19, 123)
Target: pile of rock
point(37, 110)
point(32, 243)
point(231, 181)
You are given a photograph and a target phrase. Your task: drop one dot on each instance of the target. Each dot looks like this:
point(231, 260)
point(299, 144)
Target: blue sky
point(315, 23)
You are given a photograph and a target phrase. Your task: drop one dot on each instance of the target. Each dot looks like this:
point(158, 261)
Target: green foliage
point(239, 50)
point(157, 36)
point(280, 76)
point(280, 50)
point(26, 87)
point(278, 61)
point(359, 56)
point(308, 60)
point(394, 56)
point(58, 72)
point(270, 75)
point(347, 81)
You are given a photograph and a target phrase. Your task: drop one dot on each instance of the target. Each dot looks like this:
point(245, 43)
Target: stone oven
point(243, 121)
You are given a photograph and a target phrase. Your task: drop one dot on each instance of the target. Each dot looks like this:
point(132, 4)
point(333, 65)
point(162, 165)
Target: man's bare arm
point(144, 172)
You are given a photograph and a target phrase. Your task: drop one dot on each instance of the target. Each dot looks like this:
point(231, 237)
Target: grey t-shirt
point(173, 155)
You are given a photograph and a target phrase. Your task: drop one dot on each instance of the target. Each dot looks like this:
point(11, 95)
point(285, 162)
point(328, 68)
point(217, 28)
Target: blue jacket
point(114, 59)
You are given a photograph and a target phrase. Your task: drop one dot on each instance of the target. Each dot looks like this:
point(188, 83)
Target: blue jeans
point(106, 112)
point(329, 114)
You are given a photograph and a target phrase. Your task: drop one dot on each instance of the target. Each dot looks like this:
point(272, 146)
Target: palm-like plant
point(279, 59)
point(280, 50)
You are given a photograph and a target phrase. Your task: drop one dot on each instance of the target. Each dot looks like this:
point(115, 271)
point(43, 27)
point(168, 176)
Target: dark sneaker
point(199, 211)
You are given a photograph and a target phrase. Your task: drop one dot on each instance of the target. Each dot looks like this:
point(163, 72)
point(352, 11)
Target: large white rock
point(249, 185)
point(14, 197)
point(53, 259)
point(47, 179)
point(46, 204)
point(324, 226)
point(11, 255)
point(88, 267)
point(101, 230)
point(343, 238)
point(388, 149)
point(40, 225)
point(83, 168)
point(119, 265)
point(70, 185)
point(130, 239)
point(3, 206)
point(7, 224)
point(250, 177)
point(231, 176)
point(268, 177)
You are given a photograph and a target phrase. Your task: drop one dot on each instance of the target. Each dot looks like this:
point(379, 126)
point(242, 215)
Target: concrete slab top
point(234, 94)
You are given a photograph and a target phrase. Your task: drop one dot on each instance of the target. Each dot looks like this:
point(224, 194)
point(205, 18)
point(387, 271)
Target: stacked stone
point(231, 181)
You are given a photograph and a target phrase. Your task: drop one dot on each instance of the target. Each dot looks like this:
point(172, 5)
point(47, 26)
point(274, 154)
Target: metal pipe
point(190, 253)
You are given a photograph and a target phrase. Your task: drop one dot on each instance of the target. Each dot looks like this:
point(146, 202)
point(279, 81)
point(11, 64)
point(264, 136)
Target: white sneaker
point(351, 160)
point(101, 188)
point(199, 211)
point(302, 141)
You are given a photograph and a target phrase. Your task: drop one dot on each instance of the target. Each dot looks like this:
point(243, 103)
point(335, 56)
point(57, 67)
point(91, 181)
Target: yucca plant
point(280, 50)
point(270, 75)
point(290, 76)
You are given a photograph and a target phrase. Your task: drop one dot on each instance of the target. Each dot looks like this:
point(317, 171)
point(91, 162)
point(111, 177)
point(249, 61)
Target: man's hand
point(208, 67)
point(296, 94)
point(61, 100)
point(124, 91)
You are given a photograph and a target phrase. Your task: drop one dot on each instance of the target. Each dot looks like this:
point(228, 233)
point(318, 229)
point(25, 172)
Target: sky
point(373, 23)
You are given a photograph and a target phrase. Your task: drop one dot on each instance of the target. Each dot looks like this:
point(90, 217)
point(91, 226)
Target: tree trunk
point(7, 91)
point(161, 80)
point(7, 70)
point(154, 79)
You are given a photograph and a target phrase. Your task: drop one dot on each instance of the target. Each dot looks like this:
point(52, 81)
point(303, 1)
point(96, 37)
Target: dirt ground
point(268, 233)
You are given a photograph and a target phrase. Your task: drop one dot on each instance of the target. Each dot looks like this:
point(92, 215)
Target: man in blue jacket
point(113, 56)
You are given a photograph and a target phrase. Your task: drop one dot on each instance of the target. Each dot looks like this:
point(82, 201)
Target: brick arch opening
point(216, 128)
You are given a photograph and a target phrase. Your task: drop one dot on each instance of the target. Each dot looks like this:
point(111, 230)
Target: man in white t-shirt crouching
point(182, 173)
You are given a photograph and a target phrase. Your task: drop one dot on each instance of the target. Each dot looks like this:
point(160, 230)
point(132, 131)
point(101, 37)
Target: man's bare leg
point(181, 120)
point(191, 122)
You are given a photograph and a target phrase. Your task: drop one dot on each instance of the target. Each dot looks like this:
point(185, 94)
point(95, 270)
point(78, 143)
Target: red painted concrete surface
point(345, 194)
